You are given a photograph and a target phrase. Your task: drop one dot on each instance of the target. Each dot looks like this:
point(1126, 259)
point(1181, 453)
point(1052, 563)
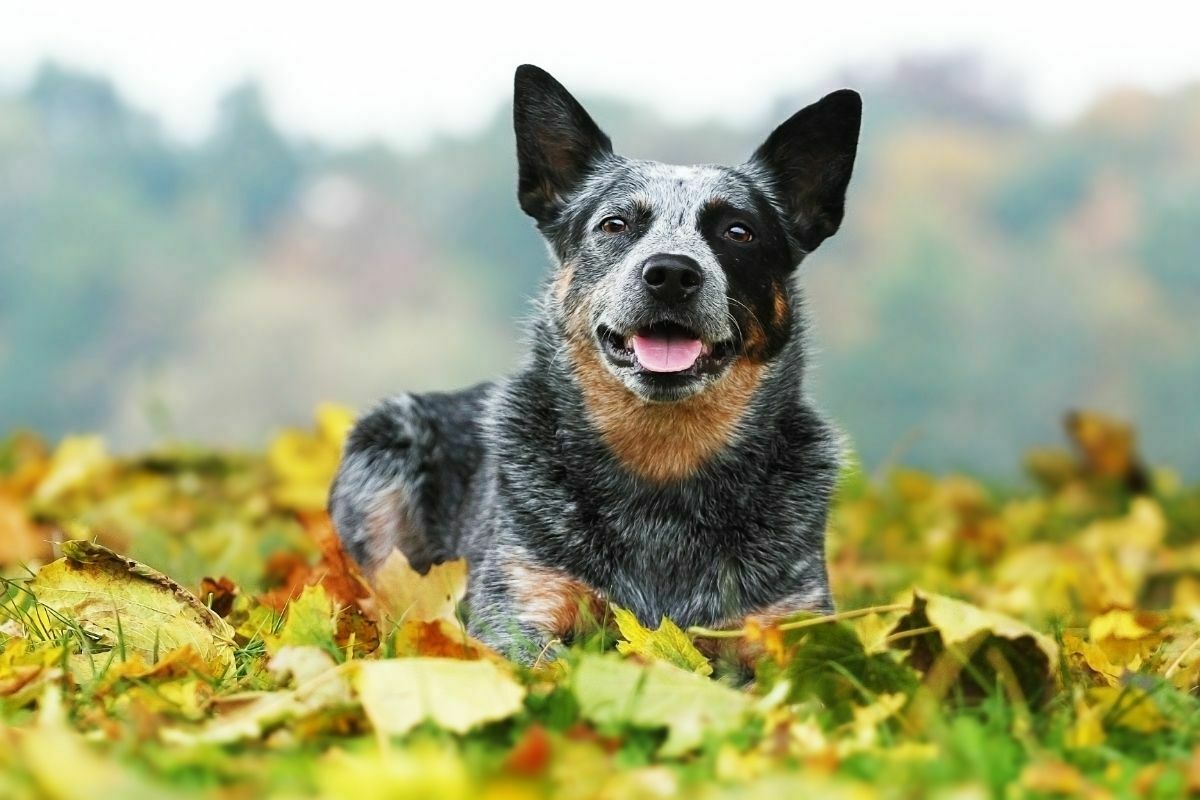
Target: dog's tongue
point(665, 352)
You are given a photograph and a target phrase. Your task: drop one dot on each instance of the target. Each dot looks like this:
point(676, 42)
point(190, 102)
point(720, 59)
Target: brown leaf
point(218, 594)
point(288, 573)
point(441, 639)
point(336, 572)
point(531, 754)
point(21, 541)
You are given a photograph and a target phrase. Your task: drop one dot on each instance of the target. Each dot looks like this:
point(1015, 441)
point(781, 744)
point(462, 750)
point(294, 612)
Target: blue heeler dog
point(655, 449)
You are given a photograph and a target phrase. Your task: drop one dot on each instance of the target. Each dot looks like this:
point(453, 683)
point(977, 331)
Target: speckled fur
point(577, 481)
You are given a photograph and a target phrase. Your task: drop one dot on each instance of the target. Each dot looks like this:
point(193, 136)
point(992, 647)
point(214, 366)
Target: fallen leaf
point(611, 691)
point(335, 571)
point(218, 594)
point(320, 685)
point(666, 643)
point(532, 752)
point(76, 460)
point(304, 462)
point(828, 661)
point(310, 622)
point(951, 634)
point(127, 606)
point(399, 694)
point(440, 639)
point(401, 593)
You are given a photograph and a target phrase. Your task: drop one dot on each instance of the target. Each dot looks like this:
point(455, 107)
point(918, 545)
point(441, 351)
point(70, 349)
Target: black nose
point(670, 278)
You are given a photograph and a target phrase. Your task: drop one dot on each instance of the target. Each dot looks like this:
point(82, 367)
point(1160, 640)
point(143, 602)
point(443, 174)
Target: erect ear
point(808, 161)
point(557, 142)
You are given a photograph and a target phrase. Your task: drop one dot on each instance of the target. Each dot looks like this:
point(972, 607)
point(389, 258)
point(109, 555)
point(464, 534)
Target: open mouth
point(664, 348)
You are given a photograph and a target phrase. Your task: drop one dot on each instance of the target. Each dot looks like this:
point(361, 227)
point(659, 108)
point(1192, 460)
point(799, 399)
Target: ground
point(183, 623)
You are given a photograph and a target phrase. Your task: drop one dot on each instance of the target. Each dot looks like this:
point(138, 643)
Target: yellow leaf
point(426, 771)
point(334, 423)
point(1124, 639)
point(129, 607)
point(666, 643)
point(867, 719)
point(399, 694)
point(303, 463)
point(1053, 777)
point(310, 622)
point(319, 685)
point(955, 633)
point(76, 461)
point(1088, 728)
point(402, 594)
point(1127, 707)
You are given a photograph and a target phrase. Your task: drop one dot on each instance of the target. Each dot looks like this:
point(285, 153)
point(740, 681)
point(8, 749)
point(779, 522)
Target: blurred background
point(212, 220)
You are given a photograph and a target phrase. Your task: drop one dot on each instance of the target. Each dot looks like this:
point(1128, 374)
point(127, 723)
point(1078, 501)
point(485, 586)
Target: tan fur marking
point(553, 601)
point(785, 607)
point(661, 442)
point(755, 338)
point(782, 309)
point(384, 524)
point(562, 283)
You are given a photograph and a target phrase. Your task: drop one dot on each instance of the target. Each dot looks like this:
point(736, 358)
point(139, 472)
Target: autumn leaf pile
point(183, 623)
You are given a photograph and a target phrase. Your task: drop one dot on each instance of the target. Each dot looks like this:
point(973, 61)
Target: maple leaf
point(310, 622)
point(400, 593)
point(666, 643)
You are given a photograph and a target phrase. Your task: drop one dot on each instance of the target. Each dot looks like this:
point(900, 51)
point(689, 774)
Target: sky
point(352, 70)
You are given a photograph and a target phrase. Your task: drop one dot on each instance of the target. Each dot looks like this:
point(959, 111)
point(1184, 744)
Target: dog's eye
point(739, 233)
point(614, 225)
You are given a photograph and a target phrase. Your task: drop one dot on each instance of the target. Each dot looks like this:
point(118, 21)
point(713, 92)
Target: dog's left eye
point(739, 233)
point(614, 225)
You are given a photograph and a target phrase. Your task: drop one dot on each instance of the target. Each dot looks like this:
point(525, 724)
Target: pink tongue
point(666, 353)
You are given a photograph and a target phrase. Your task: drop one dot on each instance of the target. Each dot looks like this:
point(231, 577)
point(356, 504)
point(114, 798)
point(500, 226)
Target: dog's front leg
point(526, 610)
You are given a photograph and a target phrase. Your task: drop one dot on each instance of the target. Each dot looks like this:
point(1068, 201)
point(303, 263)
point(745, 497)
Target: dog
point(655, 449)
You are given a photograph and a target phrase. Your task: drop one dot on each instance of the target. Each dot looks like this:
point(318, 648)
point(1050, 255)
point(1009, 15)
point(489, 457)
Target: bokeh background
point(211, 220)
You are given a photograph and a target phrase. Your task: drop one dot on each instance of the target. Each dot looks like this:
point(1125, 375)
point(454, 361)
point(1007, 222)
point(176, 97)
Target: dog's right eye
point(614, 225)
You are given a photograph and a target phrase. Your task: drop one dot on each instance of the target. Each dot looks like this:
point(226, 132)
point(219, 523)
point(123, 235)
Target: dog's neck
point(664, 442)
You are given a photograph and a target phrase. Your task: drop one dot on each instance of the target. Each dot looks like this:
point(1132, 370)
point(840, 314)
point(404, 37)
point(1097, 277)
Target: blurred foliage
point(1052, 649)
point(991, 268)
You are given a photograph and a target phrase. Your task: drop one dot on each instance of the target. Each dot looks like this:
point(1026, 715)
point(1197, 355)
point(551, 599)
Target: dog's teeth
point(628, 342)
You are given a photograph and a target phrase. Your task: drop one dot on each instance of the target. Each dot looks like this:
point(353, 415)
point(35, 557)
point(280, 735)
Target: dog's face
point(675, 274)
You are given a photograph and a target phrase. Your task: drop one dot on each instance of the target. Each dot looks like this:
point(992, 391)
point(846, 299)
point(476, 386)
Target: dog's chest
point(697, 561)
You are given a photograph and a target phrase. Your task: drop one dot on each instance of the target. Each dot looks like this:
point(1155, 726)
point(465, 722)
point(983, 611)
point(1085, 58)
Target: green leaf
point(399, 694)
point(310, 622)
point(611, 691)
point(126, 606)
point(830, 663)
point(668, 643)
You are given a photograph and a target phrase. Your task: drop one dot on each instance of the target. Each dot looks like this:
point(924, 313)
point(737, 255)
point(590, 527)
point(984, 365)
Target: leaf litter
point(990, 642)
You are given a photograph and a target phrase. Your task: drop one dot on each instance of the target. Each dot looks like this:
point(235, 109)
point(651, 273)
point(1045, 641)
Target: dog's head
point(674, 274)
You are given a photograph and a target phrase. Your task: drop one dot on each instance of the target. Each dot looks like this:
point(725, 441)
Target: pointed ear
point(557, 142)
point(808, 161)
